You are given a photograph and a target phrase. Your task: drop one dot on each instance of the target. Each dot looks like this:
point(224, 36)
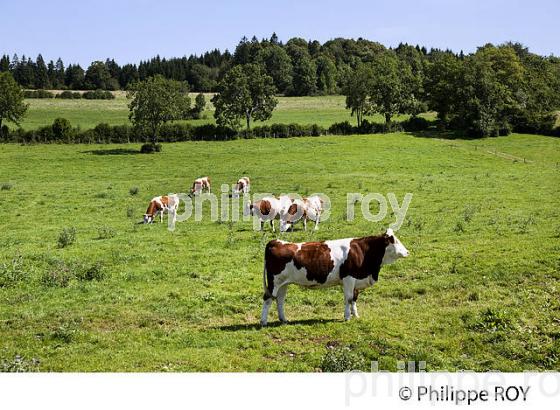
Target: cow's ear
point(390, 236)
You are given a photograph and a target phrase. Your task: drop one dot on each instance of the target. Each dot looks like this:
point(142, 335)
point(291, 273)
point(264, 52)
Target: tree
point(278, 65)
point(441, 84)
point(393, 88)
point(12, 106)
point(98, 77)
point(326, 75)
point(41, 73)
point(74, 77)
point(246, 92)
point(304, 75)
point(356, 89)
point(156, 101)
point(490, 91)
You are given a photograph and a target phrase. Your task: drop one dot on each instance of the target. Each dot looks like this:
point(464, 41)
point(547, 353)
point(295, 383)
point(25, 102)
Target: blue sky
point(83, 31)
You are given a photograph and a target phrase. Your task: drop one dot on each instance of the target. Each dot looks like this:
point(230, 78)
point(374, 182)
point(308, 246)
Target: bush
point(67, 237)
point(416, 124)
point(69, 95)
point(91, 272)
point(150, 148)
point(133, 190)
point(98, 95)
point(12, 272)
point(105, 232)
point(58, 275)
point(342, 360)
point(37, 94)
point(62, 130)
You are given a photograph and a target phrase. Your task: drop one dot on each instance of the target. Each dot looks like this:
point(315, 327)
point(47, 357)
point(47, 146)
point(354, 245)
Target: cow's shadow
point(257, 326)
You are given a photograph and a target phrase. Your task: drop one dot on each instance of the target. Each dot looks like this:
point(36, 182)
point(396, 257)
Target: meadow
point(85, 287)
point(321, 110)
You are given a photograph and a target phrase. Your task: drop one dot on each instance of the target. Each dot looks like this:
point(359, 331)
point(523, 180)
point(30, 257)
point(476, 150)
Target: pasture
point(323, 111)
point(480, 290)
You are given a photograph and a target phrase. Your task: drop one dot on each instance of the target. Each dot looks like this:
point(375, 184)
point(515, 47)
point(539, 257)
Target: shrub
point(37, 94)
point(69, 95)
point(67, 237)
point(57, 276)
point(150, 148)
point(134, 190)
point(12, 272)
point(62, 130)
point(416, 124)
point(91, 272)
point(6, 186)
point(342, 360)
point(341, 128)
point(98, 95)
point(105, 232)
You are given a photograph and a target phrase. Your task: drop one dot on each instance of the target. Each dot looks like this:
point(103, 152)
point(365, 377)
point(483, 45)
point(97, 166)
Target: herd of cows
point(353, 263)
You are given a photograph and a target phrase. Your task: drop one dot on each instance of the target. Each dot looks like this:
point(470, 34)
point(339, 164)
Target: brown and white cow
point(243, 186)
point(199, 185)
point(302, 210)
point(266, 209)
point(352, 262)
point(161, 204)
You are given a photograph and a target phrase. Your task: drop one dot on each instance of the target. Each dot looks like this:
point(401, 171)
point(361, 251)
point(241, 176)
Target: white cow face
point(148, 219)
point(394, 250)
point(284, 225)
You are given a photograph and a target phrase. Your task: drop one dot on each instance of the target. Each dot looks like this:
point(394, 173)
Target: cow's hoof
point(263, 324)
point(283, 322)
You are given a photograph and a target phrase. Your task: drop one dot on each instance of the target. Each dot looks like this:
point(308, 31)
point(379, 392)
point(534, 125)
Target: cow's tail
point(267, 294)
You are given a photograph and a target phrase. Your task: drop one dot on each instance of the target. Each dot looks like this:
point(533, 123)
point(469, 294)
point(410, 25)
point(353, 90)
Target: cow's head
point(148, 219)
point(394, 249)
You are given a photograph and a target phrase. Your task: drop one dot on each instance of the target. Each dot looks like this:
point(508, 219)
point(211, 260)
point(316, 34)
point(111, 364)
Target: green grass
point(480, 290)
point(88, 113)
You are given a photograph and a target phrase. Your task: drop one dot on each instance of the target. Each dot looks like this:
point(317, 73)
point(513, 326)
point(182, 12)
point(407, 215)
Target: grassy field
point(88, 113)
point(480, 290)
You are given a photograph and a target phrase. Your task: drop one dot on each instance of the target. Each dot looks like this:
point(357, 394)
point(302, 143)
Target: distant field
point(88, 113)
point(480, 290)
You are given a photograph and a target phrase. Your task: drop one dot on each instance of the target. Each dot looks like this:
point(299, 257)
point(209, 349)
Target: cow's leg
point(317, 222)
point(348, 287)
point(354, 306)
point(280, 298)
point(266, 306)
point(305, 223)
point(272, 224)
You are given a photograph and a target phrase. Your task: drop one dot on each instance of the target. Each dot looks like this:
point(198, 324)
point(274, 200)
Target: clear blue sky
point(83, 31)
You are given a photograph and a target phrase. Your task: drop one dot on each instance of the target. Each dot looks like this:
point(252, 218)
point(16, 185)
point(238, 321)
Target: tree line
point(493, 91)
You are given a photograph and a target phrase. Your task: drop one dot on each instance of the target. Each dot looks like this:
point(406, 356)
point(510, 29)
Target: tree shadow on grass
point(257, 326)
point(441, 134)
point(115, 151)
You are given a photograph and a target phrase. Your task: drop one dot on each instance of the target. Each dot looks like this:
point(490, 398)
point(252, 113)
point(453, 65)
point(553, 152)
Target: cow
point(161, 204)
point(267, 209)
point(199, 185)
point(243, 186)
point(352, 262)
point(302, 210)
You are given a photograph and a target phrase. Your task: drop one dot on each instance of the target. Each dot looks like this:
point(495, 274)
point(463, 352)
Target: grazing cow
point(291, 213)
point(199, 185)
point(161, 204)
point(352, 262)
point(267, 209)
point(302, 210)
point(243, 186)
